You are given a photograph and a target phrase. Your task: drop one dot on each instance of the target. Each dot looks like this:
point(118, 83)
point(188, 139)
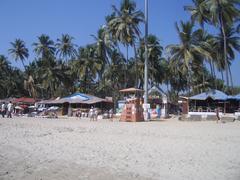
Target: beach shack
point(79, 101)
point(158, 100)
point(236, 105)
point(205, 105)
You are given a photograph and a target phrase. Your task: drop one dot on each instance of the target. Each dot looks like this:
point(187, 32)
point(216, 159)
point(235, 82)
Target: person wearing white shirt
point(9, 110)
point(3, 109)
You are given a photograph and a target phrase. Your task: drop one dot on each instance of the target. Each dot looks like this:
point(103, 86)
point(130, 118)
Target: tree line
point(101, 68)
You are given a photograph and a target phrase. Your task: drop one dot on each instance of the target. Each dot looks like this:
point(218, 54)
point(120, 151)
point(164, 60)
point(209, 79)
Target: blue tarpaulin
point(237, 97)
point(214, 94)
point(80, 96)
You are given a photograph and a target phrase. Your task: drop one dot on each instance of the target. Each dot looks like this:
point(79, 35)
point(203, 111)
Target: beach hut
point(237, 112)
point(80, 101)
point(208, 101)
point(158, 99)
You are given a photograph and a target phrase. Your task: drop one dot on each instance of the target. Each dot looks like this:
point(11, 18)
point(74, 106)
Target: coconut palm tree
point(124, 27)
point(19, 51)
point(232, 45)
point(44, 47)
point(65, 47)
point(86, 66)
point(198, 12)
point(189, 52)
point(220, 13)
point(156, 71)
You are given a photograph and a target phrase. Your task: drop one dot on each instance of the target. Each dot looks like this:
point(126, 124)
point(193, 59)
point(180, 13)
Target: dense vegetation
point(101, 68)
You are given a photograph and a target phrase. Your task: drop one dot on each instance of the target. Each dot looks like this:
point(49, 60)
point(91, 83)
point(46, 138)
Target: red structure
point(132, 111)
point(24, 100)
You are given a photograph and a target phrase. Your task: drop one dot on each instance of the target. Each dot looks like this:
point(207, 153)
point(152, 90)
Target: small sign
point(164, 99)
point(146, 106)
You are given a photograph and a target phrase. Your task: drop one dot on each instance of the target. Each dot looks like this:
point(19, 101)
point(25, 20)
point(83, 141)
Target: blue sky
point(27, 19)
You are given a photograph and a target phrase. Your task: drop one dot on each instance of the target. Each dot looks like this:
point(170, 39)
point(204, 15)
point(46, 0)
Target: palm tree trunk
point(230, 73)
point(203, 87)
point(222, 75)
point(211, 67)
point(214, 75)
point(222, 29)
point(125, 70)
point(136, 65)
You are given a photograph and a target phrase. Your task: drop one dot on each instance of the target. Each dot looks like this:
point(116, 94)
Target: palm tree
point(190, 51)
point(104, 47)
point(124, 27)
point(232, 44)
point(45, 47)
point(198, 12)
point(220, 13)
point(156, 72)
point(65, 47)
point(4, 64)
point(19, 51)
point(86, 66)
point(29, 85)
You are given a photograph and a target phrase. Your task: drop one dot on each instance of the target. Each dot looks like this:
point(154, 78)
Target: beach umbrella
point(18, 108)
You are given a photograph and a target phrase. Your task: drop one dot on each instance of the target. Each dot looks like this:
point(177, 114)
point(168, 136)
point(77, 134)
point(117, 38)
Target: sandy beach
point(46, 149)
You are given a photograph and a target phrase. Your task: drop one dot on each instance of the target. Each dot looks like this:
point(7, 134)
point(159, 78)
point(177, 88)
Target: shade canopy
point(78, 98)
point(237, 97)
point(213, 94)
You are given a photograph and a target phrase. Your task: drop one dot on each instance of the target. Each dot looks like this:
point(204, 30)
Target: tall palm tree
point(190, 51)
point(232, 44)
point(156, 72)
point(19, 51)
point(86, 66)
point(104, 47)
point(124, 27)
point(65, 47)
point(44, 47)
point(198, 12)
point(220, 13)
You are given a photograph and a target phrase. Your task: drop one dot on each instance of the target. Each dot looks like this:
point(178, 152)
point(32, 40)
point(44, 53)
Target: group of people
point(7, 109)
point(93, 114)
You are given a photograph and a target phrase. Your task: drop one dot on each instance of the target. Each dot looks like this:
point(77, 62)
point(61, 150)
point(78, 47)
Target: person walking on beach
point(95, 114)
point(3, 109)
point(9, 110)
point(217, 114)
point(91, 114)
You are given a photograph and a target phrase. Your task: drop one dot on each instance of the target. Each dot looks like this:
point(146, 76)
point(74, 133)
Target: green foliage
point(102, 69)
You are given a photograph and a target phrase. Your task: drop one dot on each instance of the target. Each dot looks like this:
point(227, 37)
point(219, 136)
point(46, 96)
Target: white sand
point(35, 149)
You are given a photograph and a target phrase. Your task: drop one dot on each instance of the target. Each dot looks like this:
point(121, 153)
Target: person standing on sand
point(217, 114)
point(91, 114)
point(3, 109)
point(9, 110)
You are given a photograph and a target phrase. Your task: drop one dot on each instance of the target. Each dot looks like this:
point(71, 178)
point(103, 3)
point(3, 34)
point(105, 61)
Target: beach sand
point(47, 149)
